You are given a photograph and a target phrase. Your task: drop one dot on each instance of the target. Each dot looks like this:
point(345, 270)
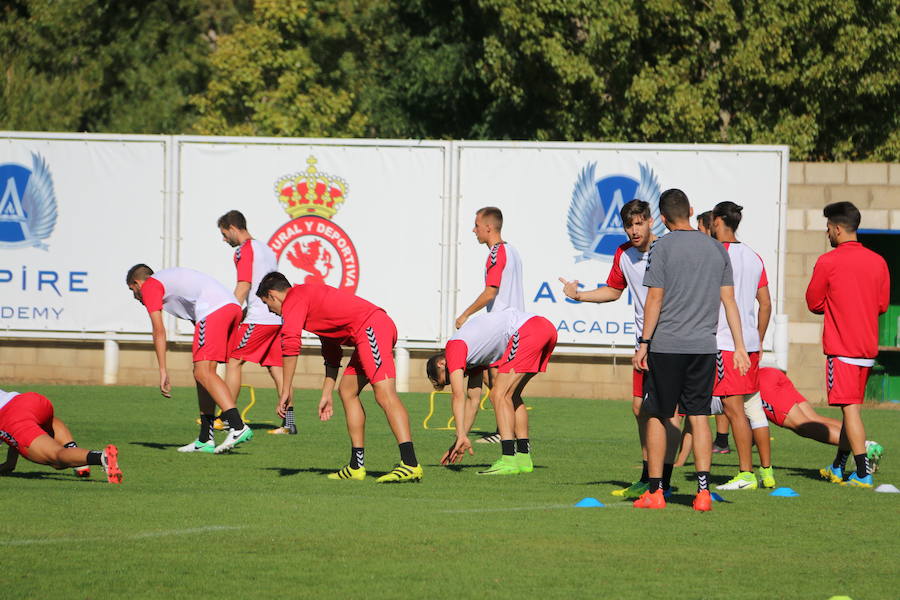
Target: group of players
point(702, 307)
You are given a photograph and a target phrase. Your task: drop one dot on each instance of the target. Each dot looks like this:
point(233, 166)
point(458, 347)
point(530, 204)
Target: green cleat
point(349, 473)
point(874, 450)
point(766, 477)
point(526, 465)
point(635, 490)
point(402, 473)
point(208, 447)
point(745, 480)
point(505, 465)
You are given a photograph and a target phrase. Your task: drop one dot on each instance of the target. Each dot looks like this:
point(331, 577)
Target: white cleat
point(198, 446)
point(234, 438)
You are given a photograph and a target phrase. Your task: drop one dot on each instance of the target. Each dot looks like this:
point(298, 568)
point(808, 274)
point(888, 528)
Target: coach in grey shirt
point(688, 275)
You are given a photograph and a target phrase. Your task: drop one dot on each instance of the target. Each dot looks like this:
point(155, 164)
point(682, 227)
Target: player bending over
point(28, 426)
point(350, 321)
point(519, 344)
point(200, 299)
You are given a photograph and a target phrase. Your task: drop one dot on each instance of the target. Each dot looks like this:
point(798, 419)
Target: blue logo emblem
point(27, 204)
point(594, 224)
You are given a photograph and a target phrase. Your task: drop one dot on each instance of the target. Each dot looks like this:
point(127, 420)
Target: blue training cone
point(589, 503)
point(784, 492)
point(716, 497)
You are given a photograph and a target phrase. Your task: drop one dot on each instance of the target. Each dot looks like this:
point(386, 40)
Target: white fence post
point(401, 358)
point(110, 360)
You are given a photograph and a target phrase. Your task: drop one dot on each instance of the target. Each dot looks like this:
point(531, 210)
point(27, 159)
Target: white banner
point(74, 216)
point(534, 185)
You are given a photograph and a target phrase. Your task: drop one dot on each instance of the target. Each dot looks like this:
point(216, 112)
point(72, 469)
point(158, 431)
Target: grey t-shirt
point(691, 267)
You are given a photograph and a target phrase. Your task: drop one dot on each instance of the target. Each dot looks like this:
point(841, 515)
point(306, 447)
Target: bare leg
point(233, 376)
point(673, 437)
point(355, 414)
point(703, 440)
point(641, 421)
point(722, 424)
point(205, 401)
point(763, 438)
point(61, 432)
point(390, 403)
point(827, 431)
point(520, 410)
point(501, 399)
point(687, 441)
point(206, 377)
point(277, 375)
point(854, 430)
point(740, 427)
point(656, 446)
point(45, 450)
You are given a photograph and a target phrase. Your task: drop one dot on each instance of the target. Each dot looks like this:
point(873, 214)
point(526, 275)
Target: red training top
point(851, 286)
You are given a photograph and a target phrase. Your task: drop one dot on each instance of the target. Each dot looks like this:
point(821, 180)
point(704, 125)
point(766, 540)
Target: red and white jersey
point(5, 397)
point(323, 311)
point(483, 339)
point(628, 268)
point(503, 270)
point(185, 293)
point(253, 261)
point(749, 276)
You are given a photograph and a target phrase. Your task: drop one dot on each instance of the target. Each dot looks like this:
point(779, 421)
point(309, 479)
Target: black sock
point(667, 476)
point(233, 418)
point(289, 418)
point(358, 458)
point(206, 428)
point(509, 447)
point(721, 439)
point(702, 480)
point(523, 446)
point(862, 465)
point(95, 457)
point(654, 483)
point(645, 474)
point(840, 460)
point(71, 444)
point(408, 454)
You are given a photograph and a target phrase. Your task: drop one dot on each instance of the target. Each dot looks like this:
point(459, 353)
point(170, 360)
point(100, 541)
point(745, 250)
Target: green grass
point(264, 522)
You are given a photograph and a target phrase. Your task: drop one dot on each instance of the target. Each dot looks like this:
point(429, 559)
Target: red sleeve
point(763, 279)
point(293, 317)
point(152, 292)
point(616, 277)
point(243, 262)
point(457, 352)
point(331, 352)
point(496, 262)
point(818, 285)
point(885, 293)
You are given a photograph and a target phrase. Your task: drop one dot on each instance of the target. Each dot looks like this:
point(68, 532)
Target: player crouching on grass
point(519, 344)
point(200, 299)
point(347, 320)
point(28, 426)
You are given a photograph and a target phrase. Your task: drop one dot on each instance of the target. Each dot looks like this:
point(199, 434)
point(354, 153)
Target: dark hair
point(705, 218)
point(232, 218)
point(729, 212)
point(272, 281)
point(674, 205)
point(138, 272)
point(844, 214)
point(494, 213)
point(632, 209)
point(431, 368)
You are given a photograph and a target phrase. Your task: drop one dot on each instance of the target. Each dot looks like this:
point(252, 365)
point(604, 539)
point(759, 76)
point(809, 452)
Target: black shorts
point(678, 380)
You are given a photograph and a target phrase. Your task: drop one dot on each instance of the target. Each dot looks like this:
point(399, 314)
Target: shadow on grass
point(257, 425)
point(802, 472)
point(53, 476)
point(613, 482)
point(287, 472)
point(155, 445)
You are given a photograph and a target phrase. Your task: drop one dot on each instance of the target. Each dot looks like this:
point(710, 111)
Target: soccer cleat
point(650, 500)
point(491, 438)
point(505, 465)
point(832, 474)
point(347, 472)
point(721, 449)
point(860, 482)
point(197, 446)
point(523, 459)
point(84, 471)
point(703, 501)
point(874, 450)
point(635, 490)
point(766, 477)
point(283, 430)
point(402, 473)
point(234, 438)
point(745, 480)
point(110, 460)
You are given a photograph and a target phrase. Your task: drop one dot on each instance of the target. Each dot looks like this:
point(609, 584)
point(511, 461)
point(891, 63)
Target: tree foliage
point(820, 75)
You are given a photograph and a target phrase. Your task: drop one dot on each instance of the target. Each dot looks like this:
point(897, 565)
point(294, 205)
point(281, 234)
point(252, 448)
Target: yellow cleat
point(348, 473)
point(402, 473)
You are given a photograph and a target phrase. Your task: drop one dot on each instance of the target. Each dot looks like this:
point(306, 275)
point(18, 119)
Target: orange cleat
point(111, 464)
point(651, 500)
point(82, 472)
point(703, 501)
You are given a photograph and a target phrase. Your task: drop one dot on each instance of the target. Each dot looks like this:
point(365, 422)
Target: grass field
point(264, 522)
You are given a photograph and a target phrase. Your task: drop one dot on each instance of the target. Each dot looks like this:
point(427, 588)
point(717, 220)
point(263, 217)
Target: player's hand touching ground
point(457, 451)
point(326, 408)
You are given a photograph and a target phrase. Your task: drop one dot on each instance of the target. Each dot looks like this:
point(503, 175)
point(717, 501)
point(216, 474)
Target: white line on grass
point(135, 536)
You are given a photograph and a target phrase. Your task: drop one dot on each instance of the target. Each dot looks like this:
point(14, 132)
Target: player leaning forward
point(519, 344)
point(688, 275)
point(346, 319)
point(200, 299)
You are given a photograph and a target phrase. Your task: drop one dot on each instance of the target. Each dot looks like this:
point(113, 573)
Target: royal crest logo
point(311, 244)
point(594, 224)
point(27, 204)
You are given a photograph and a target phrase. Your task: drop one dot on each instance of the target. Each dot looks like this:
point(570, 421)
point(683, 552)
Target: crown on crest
point(311, 192)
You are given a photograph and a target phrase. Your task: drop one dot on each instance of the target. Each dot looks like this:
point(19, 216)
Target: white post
point(401, 359)
point(781, 341)
point(110, 361)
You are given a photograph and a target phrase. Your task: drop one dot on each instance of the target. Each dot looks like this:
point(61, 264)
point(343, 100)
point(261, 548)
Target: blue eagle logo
point(594, 223)
point(27, 204)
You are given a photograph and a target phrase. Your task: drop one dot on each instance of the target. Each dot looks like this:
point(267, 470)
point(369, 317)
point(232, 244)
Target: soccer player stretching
point(520, 344)
point(29, 428)
point(688, 275)
point(347, 320)
point(851, 286)
point(200, 299)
